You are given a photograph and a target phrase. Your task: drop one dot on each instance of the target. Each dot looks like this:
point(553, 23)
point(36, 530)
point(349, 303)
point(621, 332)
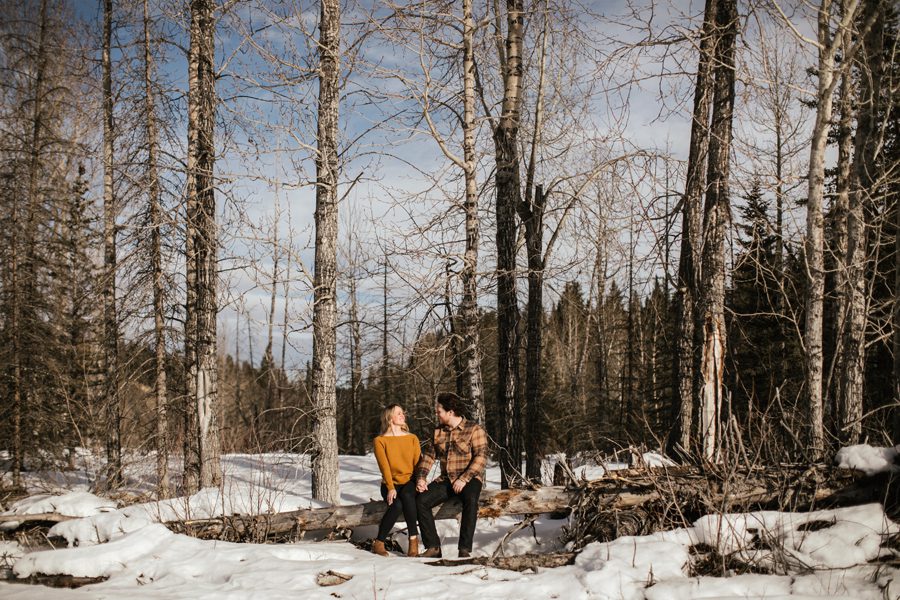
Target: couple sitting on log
point(461, 447)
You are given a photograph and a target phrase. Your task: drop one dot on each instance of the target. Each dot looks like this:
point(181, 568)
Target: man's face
point(443, 416)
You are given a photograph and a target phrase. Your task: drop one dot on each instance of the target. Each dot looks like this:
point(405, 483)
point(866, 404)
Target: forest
point(246, 226)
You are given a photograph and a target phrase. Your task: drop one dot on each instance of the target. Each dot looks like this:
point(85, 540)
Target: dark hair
point(450, 402)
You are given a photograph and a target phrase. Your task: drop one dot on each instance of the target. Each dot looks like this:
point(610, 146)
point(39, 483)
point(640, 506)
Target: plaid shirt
point(461, 450)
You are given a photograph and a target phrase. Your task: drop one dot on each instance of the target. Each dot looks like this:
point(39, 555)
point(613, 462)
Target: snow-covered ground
point(834, 559)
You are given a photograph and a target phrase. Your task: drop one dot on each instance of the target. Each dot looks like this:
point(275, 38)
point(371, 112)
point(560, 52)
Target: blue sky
point(640, 103)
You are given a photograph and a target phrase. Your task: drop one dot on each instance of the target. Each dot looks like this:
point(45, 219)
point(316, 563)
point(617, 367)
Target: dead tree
point(862, 175)
point(509, 195)
point(325, 481)
point(202, 444)
point(710, 322)
point(110, 318)
point(154, 201)
point(828, 44)
point(691, 231)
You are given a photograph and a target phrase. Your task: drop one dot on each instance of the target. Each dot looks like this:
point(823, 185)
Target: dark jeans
point(405, 502)
point(437, 493)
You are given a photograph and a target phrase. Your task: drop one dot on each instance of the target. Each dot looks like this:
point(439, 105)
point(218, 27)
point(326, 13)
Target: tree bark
point(716, 220)
point(325, 481)
point(154, 197)
point(866, 149)
point(355, 422)
point(834, 386)
point(110, 318)
point(468, 310)
point(508, 183)
point(598, 501)
point(203, 447)
point(691, 231)
point(531, 213)
point(814, 247)
point(24, 276)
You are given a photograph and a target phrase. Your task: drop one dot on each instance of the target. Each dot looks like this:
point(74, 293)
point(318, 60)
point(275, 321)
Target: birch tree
point(325, 481)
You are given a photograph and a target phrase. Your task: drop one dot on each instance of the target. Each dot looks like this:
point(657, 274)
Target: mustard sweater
point(397, 456)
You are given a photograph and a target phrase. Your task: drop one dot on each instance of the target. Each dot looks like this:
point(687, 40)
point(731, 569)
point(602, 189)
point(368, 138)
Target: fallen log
point(626, 502)
point(492, 504)
point(521, 562)
point(57, 581)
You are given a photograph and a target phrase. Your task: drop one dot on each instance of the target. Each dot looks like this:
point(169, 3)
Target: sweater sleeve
point(383, 465)
point(417, 452)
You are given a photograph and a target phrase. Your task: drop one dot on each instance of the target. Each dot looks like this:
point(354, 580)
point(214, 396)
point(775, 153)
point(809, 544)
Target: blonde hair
point(386, 418)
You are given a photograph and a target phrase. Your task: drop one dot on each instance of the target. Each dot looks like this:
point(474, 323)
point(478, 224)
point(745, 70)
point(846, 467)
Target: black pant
point(404, 502)
point(437, 493)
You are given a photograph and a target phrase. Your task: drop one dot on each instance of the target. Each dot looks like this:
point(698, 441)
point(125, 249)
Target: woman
point(397, 452)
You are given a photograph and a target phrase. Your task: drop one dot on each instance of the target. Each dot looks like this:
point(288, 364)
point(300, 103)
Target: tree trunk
point(325, 481)
point(691, 225)
point(814, 249)
point(355, 422)
point(110, 319)
point(153, 194)
point(508, 186)
point(534, 228)
point(468, 310)
point(834, 386)
point(269, 419)
point(716, 221)
point(867, 148)
point(532, 215)
point(25, 274)
point(202, 458)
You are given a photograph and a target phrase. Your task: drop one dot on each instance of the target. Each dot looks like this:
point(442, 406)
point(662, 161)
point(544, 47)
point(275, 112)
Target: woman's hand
point(391, 496)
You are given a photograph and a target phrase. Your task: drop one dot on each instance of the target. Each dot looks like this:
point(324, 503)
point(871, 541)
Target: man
point(461, 447)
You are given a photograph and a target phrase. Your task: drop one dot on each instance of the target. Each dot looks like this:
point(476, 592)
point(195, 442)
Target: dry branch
point(522, 562)
point(38, 517)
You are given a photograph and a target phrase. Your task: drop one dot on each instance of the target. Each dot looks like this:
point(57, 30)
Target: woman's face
point(398, 417)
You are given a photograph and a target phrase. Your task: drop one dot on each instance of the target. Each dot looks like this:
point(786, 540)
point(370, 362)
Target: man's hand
point(391, 496)
point(458, 486)
point(421, 486)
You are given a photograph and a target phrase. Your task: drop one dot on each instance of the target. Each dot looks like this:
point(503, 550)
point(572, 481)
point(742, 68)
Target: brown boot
point(432, 553)
point(413, 549)
point(378, 548)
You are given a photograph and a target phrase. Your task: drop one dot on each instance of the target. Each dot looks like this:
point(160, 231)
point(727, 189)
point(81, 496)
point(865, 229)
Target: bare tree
point(857, 291)
point(509, 195)
point(156, 221)
point(325, 481)
point(110, 317)
point(716, 220)
point(828, 44)
point(691, 230)
point(202, 443)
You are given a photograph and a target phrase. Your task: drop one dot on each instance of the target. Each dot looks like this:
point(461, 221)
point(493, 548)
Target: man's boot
point(432, 553)
point(413, 549)
point(378, 548)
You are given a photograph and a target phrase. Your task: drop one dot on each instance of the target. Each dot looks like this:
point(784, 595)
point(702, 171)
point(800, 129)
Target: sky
point(635, 101)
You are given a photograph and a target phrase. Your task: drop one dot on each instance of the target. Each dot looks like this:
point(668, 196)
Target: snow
point(830, 554)
point(868, 459)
